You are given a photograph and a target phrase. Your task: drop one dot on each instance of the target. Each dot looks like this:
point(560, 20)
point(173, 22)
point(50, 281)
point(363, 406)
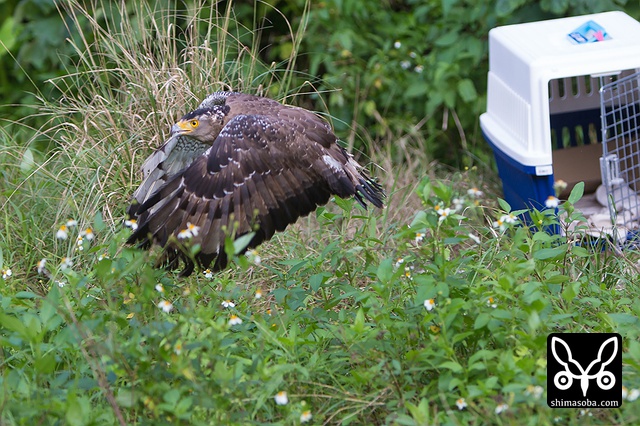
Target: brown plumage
point(240, 164)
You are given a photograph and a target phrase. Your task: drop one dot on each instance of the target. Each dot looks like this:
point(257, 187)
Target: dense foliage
point(434, 310)
point(385, 69)
point(449, 326)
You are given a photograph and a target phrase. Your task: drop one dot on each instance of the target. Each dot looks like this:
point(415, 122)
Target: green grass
point(341, 324)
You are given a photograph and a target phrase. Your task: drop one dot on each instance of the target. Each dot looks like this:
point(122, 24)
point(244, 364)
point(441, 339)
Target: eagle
point(239, 165)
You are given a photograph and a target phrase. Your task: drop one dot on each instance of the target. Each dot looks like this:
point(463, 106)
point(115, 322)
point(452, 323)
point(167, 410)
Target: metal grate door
point(620, 163)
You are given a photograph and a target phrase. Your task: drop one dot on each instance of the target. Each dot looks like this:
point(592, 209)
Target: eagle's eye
point(194, 123)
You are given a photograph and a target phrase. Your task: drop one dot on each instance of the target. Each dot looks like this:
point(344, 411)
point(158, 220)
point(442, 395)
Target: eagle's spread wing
point(262, 173)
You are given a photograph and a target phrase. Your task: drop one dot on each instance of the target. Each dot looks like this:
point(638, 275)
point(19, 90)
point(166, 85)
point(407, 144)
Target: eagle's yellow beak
point(181, 127)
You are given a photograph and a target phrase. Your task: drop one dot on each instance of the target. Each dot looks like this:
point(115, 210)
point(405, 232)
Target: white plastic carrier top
point(523, 58)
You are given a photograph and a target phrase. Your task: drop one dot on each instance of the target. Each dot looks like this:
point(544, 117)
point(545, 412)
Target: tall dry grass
point(140, 66)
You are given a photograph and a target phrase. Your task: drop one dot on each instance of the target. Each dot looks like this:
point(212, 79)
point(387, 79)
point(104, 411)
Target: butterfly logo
point(563, 380)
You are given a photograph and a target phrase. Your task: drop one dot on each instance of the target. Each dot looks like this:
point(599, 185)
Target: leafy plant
point(433, 311)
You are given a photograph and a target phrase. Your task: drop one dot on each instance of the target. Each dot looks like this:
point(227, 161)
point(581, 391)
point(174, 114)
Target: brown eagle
point(240, 164)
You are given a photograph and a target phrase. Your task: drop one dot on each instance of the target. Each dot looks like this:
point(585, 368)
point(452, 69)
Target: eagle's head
point(203, 124)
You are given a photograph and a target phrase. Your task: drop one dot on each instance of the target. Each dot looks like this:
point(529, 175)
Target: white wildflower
point(254, 257)
point(66, 263)
point(444, 213)
point(305, 416)
point(63, 233)
point(535, 391)
point(509, 218)
point(501, 408)
point(430, 304)
point(552, 202)
point(475, 192)
point(6, 273)
point(41, 265)
point(281, 398)
point(235, 320)
point(88, 234)
point(166, 306)
point(461, 403)
point(193, 229)
point(131, 223)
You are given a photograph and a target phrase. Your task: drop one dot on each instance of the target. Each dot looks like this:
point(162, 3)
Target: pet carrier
point(545, 119)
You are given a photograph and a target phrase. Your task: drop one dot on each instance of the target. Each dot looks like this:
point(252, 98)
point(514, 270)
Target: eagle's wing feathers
point(269, 165)
point(261, 174)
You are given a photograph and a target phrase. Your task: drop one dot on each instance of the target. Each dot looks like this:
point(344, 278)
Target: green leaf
point(13, 324)
point(576, 193)
point(481, 320)
point(443, 191)
point(420, 413)
point(467, 90)
point(448, 39)
point(506, 7)
point(420, 220)
point(416, 90)
point(78, 409)
point(46, 363)
point(534, 320)
point(554, 253)
point(241, 243)
point(571, 291)
point(8, 35)
point(317, 280)
point(358, 324)
point(557, 279)
point(172, 396)
point(98, 222)
point(623, 318)
point(451, 365)
point(26, 295)
point(385, 271)
point(504, 205)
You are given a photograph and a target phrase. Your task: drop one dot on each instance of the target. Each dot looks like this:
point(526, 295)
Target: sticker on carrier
point(589, 32)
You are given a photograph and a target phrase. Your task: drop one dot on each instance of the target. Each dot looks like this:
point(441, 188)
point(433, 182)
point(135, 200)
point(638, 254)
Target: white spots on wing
point(334, 164)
